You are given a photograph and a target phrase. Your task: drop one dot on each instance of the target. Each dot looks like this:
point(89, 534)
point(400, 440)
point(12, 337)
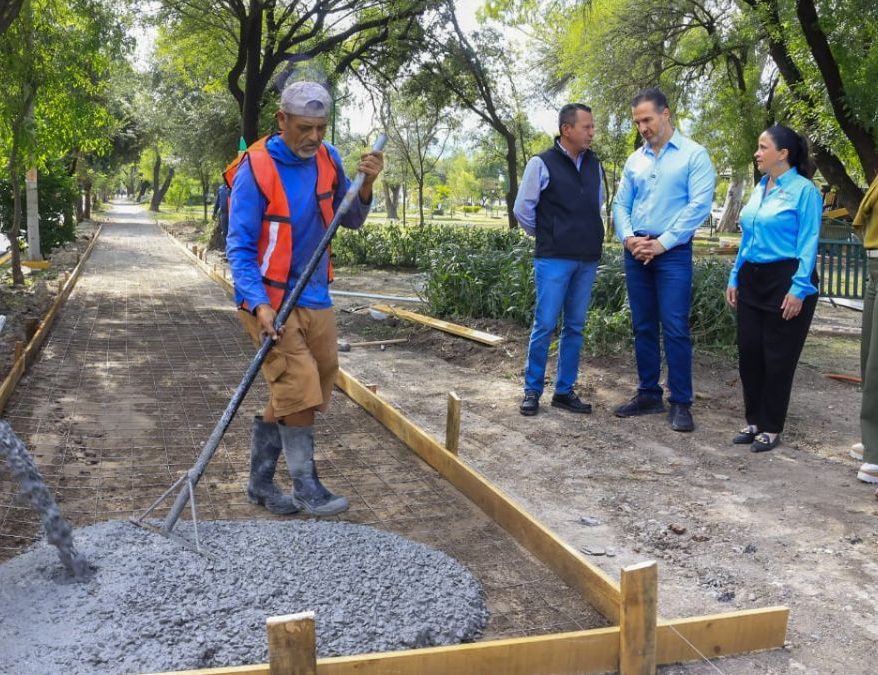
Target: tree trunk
point(512, 173)
point(830, 166)
point(391, 198)
point(86, 200)
point(77, 205)
point(404, 201)
point(421, 200)
point(849, 194)
point(158, 194)
point(733, 204)
point(860, 137)
point(252, 89)
point(15, 253)
point(34, 250)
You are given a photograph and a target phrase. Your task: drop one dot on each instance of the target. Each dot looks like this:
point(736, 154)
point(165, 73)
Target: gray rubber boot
point(308, 492)
point(265, 447)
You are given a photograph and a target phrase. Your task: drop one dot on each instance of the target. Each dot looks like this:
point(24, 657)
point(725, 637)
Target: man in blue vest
point(665, 193)
point(284, 193)
point(559, 203)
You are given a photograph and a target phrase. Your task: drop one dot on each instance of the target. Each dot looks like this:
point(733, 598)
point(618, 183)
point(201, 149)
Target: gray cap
point(305, 98)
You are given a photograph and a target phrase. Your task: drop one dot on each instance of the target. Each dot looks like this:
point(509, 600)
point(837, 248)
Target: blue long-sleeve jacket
point(783, 224)
point(299, 178)
point(666, 196)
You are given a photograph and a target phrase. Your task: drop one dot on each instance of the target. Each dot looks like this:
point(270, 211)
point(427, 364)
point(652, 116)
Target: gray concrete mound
point(153, 605)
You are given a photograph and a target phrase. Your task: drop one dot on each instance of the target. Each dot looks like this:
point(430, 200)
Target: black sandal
point(745, 437)
point(763, 443)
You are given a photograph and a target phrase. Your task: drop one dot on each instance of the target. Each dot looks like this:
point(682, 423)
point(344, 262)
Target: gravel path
point(153, 605)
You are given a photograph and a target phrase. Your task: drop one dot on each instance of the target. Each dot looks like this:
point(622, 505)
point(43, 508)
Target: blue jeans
point(560, 284)
point(660, 293)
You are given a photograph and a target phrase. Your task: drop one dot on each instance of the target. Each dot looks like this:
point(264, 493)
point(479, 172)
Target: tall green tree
point(828, 60)
point(471, 72)
point(268, 36)
point(419, 132)
point(56, 55)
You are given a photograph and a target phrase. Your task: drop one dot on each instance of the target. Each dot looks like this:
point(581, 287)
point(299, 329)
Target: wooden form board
point(20, 366)
point(588, 651)
point(439, 324)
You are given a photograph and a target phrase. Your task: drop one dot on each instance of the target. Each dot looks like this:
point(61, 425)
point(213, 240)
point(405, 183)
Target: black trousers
point(768, 346)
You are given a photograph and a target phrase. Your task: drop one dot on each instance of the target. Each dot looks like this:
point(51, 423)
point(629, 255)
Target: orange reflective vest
point(275, 245)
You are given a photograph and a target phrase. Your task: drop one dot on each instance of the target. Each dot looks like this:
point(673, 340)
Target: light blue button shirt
point(536, 179)
point(666, 196)
point(781, 225)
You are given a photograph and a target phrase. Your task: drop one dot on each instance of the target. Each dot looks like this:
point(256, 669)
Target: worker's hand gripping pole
point(190, 480)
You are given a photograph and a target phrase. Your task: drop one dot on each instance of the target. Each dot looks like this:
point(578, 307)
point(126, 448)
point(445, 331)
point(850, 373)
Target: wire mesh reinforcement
point(139, 366)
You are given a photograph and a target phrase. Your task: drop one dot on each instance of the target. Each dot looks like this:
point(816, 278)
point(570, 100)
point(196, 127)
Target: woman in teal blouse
point(773, 284)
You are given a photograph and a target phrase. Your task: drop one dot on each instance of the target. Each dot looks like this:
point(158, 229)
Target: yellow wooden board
point(588, 651)
point(37, 264)
point(439, 324)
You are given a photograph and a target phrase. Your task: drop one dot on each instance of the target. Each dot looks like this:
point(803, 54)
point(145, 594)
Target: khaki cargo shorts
point(300, 369)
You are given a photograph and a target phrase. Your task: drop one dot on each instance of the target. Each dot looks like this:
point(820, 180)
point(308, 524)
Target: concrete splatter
point(154, 605)
point(32, 487)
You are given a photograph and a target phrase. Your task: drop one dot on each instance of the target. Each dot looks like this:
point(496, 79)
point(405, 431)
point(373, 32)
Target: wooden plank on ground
point(439, 324)
point(36, 264)
point(721, 634)
point(574, 653)
point(638, 620)
point(595, 586)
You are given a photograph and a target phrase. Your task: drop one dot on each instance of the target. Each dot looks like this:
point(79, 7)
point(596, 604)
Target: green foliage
point(398, 245)
point(57, 192)
point(183, 191)
point(474, 272)
point(481, 280)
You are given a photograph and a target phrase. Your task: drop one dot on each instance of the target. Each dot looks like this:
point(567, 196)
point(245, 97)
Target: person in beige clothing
point(866, 224)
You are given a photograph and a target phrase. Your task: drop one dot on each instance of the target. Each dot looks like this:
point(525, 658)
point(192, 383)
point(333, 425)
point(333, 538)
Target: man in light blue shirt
point(665, 194)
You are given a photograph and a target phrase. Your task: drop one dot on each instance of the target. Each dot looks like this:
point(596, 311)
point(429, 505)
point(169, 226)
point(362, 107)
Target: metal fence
point(843, 268)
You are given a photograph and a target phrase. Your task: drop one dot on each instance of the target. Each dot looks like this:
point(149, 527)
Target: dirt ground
point(730, 529)
point(25, 306)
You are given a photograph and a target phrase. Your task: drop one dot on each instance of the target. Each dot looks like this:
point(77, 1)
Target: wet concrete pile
point(153, 605)
point(33, 488)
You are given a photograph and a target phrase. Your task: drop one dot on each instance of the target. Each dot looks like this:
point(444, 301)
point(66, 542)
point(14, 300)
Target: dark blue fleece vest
point(568, 213)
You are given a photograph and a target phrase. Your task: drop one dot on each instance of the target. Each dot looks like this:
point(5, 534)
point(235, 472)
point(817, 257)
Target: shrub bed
point(478, 272)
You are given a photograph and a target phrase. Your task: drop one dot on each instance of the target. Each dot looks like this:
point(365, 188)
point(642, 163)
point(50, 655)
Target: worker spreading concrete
point(285, 191)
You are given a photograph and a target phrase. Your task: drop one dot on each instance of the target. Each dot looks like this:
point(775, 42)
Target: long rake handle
point(197, 470)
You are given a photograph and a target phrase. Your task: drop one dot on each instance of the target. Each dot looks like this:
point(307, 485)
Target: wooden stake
point(452, 423)
point(19, 350)
point(638, 618)
point(292, 644)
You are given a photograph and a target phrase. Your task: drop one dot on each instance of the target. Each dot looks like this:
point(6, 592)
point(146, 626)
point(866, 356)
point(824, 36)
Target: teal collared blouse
point(781, 225)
